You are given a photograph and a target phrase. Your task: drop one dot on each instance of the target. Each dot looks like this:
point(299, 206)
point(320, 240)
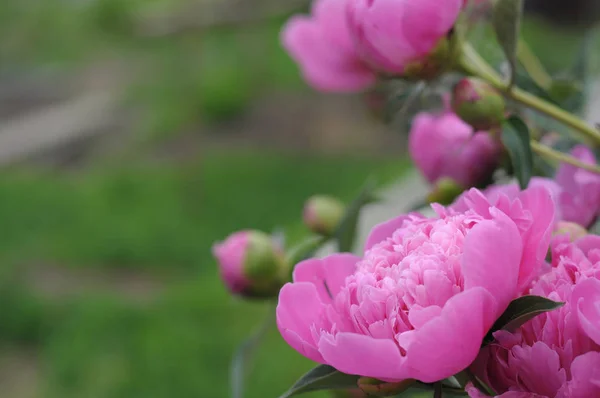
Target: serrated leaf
point(323, 377)
point(520, 311)
point(346, 232)
point(506, 19)
point(244, 354)
point(516, 140)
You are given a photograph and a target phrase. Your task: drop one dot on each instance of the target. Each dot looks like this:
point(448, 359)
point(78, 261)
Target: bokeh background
point(133, 134)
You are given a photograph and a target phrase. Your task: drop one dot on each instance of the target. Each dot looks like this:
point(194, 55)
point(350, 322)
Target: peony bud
point(322, 214)
point(573, 230)
point(445, 192)
point(251, 263)
point(380, 388)
point(478, 103)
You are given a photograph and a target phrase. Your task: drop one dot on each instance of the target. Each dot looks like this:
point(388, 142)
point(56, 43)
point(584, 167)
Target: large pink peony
point(445, 146)
point(556, 354)
point(390, 34)
point(322, 47)
point(426, 291)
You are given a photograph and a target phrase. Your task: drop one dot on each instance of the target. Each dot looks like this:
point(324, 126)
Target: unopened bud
point(573, 230)
point(251, 264)
point(322, 214)
point(445, 191)
point(478, 103)
point(380, 388)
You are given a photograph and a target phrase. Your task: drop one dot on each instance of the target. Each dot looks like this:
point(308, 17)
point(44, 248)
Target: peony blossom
point(322, 47)
point(389, 35)
point(420, 300)
point(445, 146)
point(556, 354)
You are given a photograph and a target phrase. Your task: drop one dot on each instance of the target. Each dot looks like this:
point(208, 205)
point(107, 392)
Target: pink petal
point(585, 379)
point(425, 22)
point(384, 230)
point(327, 274)
point(299, 309)
point(586, 297)
point(475, 393)
point(538, 201)
point(492, 254)
point(363, 355)
point(449, 343)
point(323, 64)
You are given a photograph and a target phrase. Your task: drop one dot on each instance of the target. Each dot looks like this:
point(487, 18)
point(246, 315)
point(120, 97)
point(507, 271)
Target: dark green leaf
point(506, 19)
point(515, 137)
point(244, 353)
point(323, 377)
point(346, 232)
point(520, 311)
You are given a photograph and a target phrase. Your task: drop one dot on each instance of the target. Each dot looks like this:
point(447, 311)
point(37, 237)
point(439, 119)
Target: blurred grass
point(163, 218)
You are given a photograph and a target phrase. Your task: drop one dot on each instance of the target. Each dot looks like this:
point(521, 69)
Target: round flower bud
point(478, 103)
point(322, 214)
point(573, 230)
point(378, 388)
point(251, 263)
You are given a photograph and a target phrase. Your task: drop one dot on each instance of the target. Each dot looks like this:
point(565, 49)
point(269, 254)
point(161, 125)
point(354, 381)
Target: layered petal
point(586, 297)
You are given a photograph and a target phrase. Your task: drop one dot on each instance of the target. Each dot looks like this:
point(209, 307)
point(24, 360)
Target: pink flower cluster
point(556, 354)
point(344, 44)
point(419, 301)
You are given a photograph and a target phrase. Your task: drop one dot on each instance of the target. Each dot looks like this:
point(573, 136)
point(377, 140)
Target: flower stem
point(472, 63)
point(555, 155)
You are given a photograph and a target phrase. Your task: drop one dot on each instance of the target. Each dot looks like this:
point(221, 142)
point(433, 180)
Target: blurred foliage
point(99, 344)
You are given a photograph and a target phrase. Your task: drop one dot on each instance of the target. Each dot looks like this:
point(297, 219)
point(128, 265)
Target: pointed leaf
point(346, 232)
point(516, 140)
point(520, 311)
point(323, 377)
point(244, 354)
point(506, 19)
point(305, 249)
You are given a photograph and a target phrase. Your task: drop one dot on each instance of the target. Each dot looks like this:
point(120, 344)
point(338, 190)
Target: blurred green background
point(107, 285)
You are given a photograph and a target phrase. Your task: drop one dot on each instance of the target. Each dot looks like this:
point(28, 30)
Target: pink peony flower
point(419, 302)
point(391, 34)
point(556, 354)
point(445, 146)
point(580, 197)
point(322, 46)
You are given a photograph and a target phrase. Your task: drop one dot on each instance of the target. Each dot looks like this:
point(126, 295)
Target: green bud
point(445, 191)
point(322, 214)
point(380, 388)
point(478, 103)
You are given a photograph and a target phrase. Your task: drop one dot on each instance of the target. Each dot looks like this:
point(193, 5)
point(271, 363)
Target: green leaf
point(323, 377)
point(516, 140)
point(346, 232)
point(244, 354)
point(506, 19)
point(520, 311)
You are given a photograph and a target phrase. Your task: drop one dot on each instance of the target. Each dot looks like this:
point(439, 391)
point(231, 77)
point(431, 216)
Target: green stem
point(533, 66)
point(557, 156)
point(472, 63)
